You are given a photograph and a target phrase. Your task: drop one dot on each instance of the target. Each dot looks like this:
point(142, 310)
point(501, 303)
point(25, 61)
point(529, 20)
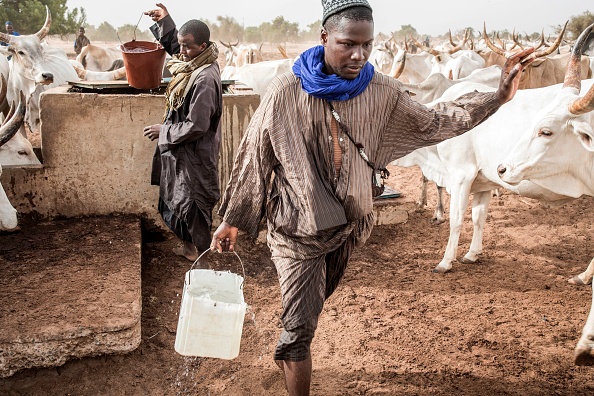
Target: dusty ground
point(506, 326)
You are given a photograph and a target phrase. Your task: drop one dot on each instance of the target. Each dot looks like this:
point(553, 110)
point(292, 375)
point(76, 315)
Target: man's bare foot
point(186, 250)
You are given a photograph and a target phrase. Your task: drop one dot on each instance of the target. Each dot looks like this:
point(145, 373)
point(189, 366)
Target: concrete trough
point(96, 160)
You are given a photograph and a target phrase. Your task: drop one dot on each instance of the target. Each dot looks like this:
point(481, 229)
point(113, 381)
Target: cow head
point(561, 137)
point(383, 54)
point(239, 55)
point(230, 52)
point(27, 50)
point(36, 66)
point(15, 149)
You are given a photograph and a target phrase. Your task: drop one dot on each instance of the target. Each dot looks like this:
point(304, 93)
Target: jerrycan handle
point(208, 250)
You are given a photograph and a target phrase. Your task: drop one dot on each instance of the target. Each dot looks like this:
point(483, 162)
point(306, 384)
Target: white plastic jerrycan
point(212, 312)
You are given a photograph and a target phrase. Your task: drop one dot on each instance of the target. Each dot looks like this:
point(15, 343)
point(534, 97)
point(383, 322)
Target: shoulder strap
point(193, 77)
point(384, 173)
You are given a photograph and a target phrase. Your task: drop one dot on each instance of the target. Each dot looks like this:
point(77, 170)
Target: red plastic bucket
point(143, 61)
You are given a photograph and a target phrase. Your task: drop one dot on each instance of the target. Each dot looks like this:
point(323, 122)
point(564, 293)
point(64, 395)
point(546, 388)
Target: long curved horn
point(491, 46)
point(584, 104)
point(397, 70)
point(516, 39)
point(451, 41)
point(282, 51)
point(574, 67)
point(542, 41)
point(230, 45)
point(424, 48)
point(459, 46)
point(543, 38)
point(46, 26)
point(13, 121)
point(501, 43)
point(421, 46)
point(549, 50)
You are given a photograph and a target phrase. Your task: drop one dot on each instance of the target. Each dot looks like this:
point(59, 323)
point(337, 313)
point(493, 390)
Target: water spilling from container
point(264, 339)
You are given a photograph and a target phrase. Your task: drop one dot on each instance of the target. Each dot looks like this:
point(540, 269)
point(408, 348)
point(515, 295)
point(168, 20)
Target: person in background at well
point(9, 30)
point(81, 40)
point(185, 164)
point(301, 164)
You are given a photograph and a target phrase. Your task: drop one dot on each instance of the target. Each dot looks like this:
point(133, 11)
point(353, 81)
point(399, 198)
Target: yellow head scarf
point(182, 71)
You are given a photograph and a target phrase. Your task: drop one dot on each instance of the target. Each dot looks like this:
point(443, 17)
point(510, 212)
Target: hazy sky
point(433, 17)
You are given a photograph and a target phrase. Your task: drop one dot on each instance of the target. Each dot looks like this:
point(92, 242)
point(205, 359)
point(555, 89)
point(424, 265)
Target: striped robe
point(284, 165)
point(284, 170)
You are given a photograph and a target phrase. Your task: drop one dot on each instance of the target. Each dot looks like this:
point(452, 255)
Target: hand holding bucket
point(224, 238)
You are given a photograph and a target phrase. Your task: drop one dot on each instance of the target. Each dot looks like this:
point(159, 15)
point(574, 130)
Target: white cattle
point(556, 151)
point(453, 63)
point(9, 128)
point(436, 85)
point(436, 89)
point(36, 66)
point(422, 65)
point(467, 164)
point(548, 69)
point(96, 58)
point(539, 145)
point(239, 55)
point(17, 150)
point(417, 69)
point(258, 75)
point(382, 55)
point(462, 64)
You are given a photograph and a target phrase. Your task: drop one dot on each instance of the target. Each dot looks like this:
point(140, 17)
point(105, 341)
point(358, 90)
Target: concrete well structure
point(96, 160)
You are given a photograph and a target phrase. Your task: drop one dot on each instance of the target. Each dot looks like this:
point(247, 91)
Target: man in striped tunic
point(306, 162)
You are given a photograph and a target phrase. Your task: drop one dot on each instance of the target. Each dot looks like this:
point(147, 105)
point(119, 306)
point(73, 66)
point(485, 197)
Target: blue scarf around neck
point(309, 68)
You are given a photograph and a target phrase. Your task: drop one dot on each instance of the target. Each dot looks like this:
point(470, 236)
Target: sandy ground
point(504, 326)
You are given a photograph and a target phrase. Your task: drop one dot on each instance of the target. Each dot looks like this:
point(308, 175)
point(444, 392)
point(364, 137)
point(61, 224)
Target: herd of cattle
point(539, 145)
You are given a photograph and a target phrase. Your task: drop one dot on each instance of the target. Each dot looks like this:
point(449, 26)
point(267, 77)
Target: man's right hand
point(224, 238)
point(158, 13)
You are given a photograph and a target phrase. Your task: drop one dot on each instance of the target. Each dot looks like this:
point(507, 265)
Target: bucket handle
point(208, 250)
